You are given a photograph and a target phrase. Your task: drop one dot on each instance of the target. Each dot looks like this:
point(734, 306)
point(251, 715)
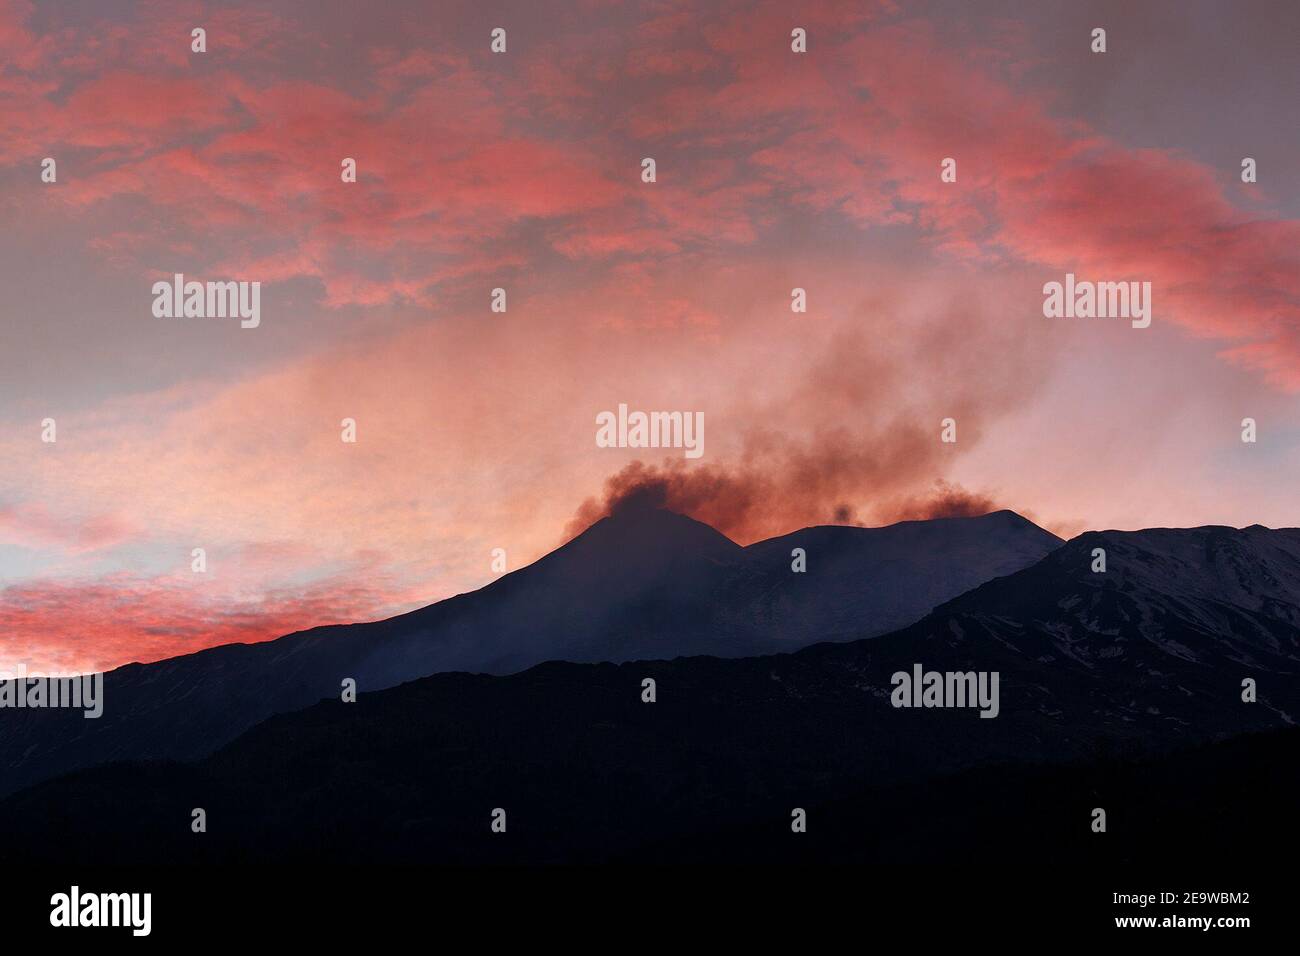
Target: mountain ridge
point(644, 583)
point(590, 772)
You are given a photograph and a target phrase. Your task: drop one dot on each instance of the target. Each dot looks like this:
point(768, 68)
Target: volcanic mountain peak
point(1213, 561)
point(1211, 592)
point(984, 540)
point(643, 583)
point(650, 528)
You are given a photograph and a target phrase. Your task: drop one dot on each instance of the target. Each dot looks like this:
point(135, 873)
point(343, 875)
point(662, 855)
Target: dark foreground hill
point(1121, 690)
point(1218, 809)
point(644, 584)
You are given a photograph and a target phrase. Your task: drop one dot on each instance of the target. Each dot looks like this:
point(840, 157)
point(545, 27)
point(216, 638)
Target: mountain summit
point(643, 583)
point(1121, 689)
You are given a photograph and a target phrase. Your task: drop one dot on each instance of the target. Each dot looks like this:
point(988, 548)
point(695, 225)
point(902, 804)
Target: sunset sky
point(775, 170)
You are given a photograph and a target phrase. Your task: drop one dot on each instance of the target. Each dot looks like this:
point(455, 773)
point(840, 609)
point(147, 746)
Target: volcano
point(643, 583)
point(1122, 690)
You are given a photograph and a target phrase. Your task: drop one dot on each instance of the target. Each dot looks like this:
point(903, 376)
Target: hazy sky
point(522, 170)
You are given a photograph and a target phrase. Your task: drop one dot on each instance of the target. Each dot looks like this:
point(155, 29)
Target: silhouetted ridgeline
point(647, 584)
point(1119, 690)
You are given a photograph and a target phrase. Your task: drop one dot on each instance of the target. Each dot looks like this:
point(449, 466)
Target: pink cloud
point(35, 524)
point(741, 128)
point(101, 624)
point(774, 171)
